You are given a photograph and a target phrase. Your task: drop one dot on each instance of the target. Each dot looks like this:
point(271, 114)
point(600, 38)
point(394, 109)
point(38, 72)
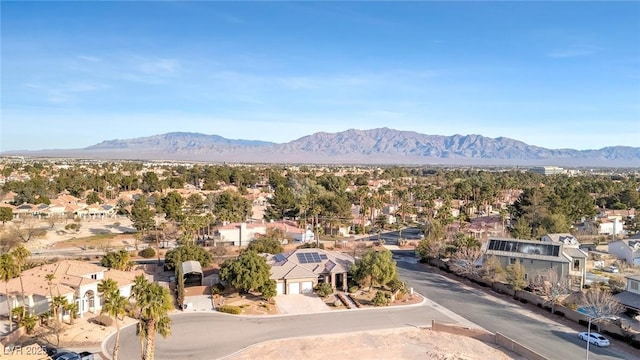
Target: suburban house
point(292, 231)
point(571, 250)
point(603, 226)
point(627, 250)
point(239, 234)
point(630, 298)
point(77, 281)
point(538, 256)
point(299, 271)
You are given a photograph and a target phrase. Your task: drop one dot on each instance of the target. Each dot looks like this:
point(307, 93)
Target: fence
point(488, 337)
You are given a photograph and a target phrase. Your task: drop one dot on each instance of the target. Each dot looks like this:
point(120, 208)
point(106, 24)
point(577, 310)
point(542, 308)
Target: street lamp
point(592, 319)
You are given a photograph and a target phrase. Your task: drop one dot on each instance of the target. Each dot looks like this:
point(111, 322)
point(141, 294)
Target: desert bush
point(324, 289)
point(103, 320)
point(572, 306)
point(147, 253)
point(230, 309)
point(395, 285)
point(380, 299)
point(217, 289)
point(353, 289)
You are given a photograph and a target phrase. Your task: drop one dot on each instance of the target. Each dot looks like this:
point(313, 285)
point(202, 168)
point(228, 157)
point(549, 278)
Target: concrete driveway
point(300, 304)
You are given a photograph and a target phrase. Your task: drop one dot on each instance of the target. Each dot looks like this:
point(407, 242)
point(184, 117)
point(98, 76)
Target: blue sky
point(557, 75)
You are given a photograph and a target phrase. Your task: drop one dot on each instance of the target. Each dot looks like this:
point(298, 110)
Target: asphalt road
point(391, 237)
point(497, 314)
point(215, 335)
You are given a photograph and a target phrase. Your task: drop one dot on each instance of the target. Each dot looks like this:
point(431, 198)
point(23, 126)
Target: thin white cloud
point(573, 51)
point(64, 92)
point(89, 58)
point(159, 67)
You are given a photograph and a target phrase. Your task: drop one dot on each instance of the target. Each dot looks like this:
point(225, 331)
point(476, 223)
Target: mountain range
point(375, 146)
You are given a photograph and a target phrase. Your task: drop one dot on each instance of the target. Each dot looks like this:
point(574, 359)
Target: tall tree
point(172, 206)
point(141, 215)
point(232, 207)
point(550, 285)
point(153, 302)
point(6, 214)
point(115, 306)
point(7, 272)
point(515, 276)
point(174, 257)
point(376, 267)
point(119, 260)
point(247, 272)
point(21, 255)
point(281, 205)
point(270, 243)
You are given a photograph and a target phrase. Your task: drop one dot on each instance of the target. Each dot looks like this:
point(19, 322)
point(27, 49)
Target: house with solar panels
point(299, 271)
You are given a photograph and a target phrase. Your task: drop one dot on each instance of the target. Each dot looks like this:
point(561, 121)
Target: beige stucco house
point(299, 271)
point(75, 280)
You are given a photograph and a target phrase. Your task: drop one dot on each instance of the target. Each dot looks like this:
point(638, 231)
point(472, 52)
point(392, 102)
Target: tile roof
point(288, 265)
point(68, 276)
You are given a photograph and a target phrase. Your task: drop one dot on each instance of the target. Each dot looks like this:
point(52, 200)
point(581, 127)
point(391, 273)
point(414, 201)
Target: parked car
point(67, 355)
point(85, 355)
point(611, 269)
point(594, 338)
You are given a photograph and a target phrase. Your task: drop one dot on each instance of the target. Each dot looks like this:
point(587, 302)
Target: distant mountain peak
point(353, 146)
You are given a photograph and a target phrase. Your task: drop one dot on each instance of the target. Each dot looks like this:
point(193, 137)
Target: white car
point(594, 338)
point(611, 269)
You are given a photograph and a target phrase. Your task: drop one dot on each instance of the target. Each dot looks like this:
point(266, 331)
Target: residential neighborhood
point(330, 242)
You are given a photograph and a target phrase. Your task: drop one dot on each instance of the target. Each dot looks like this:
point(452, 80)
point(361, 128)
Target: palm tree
point(153, 302)
point(20, 255)
point(72, 308)
point(114, 305)
point(50, 278)
point(7, 272)
point(59, 303)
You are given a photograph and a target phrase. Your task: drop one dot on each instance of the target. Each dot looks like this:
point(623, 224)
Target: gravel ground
point(406, 344)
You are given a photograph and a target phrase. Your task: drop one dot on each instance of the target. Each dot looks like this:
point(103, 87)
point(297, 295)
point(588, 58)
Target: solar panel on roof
point(323, 257)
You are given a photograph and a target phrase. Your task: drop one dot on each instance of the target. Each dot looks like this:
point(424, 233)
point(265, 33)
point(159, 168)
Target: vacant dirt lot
point(385, 344)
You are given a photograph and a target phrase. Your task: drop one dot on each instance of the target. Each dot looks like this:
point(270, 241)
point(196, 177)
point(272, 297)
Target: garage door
point(280, 288)
point(294, 288)
point(307, 287)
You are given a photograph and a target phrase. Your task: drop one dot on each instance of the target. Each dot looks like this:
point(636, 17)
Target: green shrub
point(381, 299)
point(395, 285)
point(217, 289)
point(29, 322)
point(147, 253)
point(230, 309)
point(353, 289)
point(324, 289)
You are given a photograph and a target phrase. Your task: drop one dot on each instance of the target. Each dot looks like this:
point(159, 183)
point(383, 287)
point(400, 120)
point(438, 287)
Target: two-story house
point(77, 281)
point(538, 256)
point(240, 234)
point(576, 256)
point(630, 298)
point(627, 250)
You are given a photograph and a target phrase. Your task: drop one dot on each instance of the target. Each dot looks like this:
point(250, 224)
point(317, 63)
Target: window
point(526, 276)
point(94, 276)
point(576, 265)
point(633, 285)
point(550, 264)
point(512, 261)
